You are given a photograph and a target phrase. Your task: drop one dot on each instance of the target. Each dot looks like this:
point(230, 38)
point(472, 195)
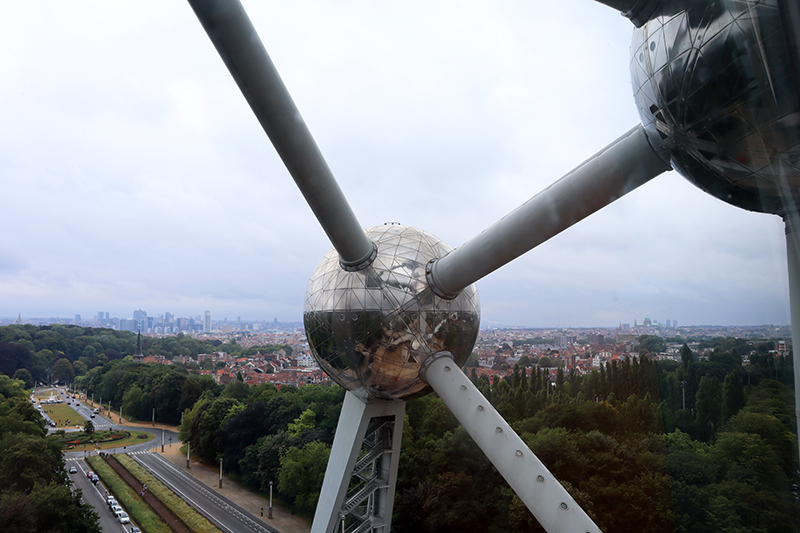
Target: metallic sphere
point(372, 329)
point(714, 82)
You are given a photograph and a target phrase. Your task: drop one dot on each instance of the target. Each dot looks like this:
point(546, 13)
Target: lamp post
point(270, 501)
point(220, 471)
point(154, 417)
point(188, 447)
point(683, 387)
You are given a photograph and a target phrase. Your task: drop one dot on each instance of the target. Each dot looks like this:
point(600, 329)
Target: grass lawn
point(61, 412)
point(103, 440)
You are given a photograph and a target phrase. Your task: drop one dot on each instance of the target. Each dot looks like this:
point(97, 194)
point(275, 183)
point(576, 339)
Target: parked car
point(123, 518)
point(116, 509)
point(135, 529)
point(111, 502)
point(95, 479)
point(89, 474)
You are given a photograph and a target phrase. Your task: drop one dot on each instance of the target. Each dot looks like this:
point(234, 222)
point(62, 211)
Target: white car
point(123, 518)
point(116, 509)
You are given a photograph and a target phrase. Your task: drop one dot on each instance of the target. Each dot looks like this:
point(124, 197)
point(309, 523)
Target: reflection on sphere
point(370, 330)
point(714, 85)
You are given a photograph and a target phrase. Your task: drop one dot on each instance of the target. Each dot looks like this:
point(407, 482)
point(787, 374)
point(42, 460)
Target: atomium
point(391, 310)
point(372, 329)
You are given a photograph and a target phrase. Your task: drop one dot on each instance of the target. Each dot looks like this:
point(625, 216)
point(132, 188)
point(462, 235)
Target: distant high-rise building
point(207, 322)
point(139, 314)
point(77, 319)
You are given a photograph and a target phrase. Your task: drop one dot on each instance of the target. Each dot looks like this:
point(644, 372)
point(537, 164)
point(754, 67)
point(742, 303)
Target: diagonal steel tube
point(551, 504)
point(625, 164)
point(237, 42)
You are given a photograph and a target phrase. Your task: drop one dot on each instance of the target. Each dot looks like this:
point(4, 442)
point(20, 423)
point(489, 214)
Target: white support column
point(792, 221)
point(539, 490)
point(350, 432)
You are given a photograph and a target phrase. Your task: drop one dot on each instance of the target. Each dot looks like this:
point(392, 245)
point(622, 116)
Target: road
point(93, 495)
point(227, 515)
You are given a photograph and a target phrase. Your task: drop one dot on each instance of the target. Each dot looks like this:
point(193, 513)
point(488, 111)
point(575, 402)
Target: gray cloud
point(134, 174)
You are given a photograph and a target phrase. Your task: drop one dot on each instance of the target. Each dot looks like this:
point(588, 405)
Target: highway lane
point(224, 513)
point(94, 496)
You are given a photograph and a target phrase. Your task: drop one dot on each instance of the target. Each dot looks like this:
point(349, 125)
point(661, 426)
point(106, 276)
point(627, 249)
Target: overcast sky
point(135, 176)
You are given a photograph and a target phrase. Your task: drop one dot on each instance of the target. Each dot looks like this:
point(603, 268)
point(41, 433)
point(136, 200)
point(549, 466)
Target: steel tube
point(792, 221)
point(613, 172)
point(237, 42)
point(539, 490)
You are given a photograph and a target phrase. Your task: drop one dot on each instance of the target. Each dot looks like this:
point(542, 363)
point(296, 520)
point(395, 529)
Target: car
point(112, 502)
point(95, 479)
point(116, 509)
point(123, 518)
point(73, 470)
point(89, 474)
point(92, 415)
point(135, 529)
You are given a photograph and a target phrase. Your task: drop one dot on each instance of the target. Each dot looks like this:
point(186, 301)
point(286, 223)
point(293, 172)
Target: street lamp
point(270, 500)
point(220, 471)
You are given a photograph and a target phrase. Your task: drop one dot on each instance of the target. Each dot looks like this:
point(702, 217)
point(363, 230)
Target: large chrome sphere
point(370, 330)
point(715, 87)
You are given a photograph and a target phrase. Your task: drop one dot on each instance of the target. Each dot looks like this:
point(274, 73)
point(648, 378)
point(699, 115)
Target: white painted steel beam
point(549, 502)
point(350, 432)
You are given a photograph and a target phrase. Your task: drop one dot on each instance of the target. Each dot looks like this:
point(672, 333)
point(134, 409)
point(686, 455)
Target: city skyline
point(135, 173)
point(201, 322)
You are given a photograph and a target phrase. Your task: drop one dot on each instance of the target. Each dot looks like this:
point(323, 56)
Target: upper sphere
point(372, 329)
point(714, 84)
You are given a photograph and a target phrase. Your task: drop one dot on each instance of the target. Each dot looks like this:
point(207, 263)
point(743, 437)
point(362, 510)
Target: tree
point(686, 355)
point(452, 505)
point(305, 422)
point(166, 397)
point(652, 344)
point(709, 406)
point(63, 371)
point(13, 357)
point(24, 375)
point(302, 472)
point(733, 398)
point(88, 427)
